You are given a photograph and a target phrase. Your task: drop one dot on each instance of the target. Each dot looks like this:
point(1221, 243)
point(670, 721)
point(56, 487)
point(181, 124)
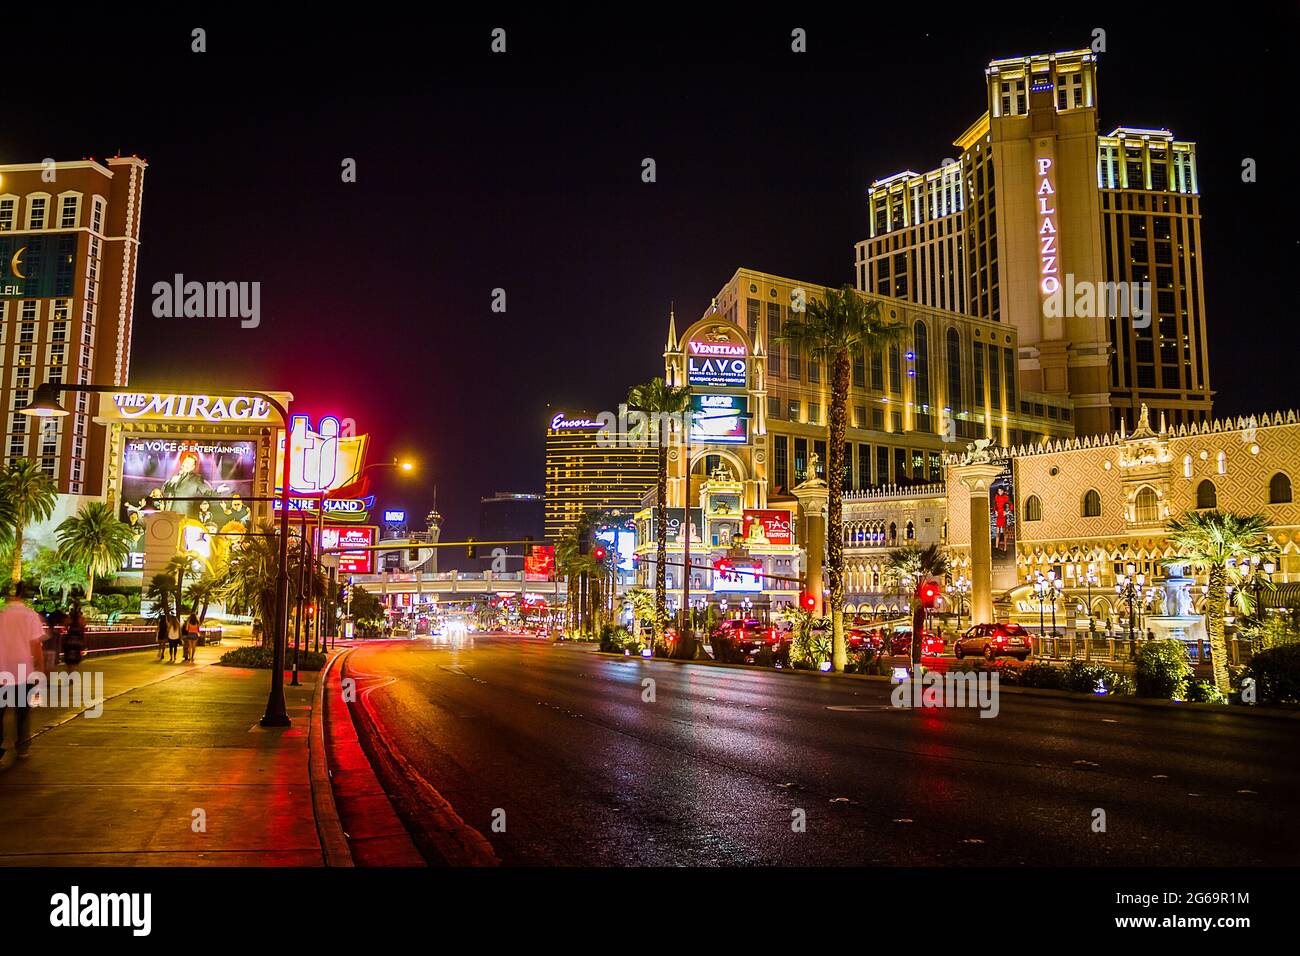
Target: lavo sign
point(206, 408)
point(716, 364)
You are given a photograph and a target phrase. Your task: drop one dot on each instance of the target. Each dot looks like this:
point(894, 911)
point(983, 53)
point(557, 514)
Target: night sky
point(523, 172)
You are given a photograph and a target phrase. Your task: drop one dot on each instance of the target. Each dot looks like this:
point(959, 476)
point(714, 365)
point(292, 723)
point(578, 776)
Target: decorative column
point(813, 495)
point(978, 478)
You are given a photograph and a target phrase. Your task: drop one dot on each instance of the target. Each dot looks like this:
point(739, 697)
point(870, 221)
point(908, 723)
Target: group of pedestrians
point(173, 636)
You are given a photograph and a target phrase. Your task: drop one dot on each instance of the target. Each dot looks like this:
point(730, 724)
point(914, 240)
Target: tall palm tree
point(912, 565)
point(665, 402)
point(95, 538)
point(252, 572)
point(31, 495)
point(832, 330)
point(1216, 542)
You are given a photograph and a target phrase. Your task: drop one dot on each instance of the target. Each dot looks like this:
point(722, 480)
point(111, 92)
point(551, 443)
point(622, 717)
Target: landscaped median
point(1162, 677)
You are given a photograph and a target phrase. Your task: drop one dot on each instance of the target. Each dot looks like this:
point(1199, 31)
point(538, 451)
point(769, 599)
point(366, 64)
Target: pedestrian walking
point(74, 638)
point(191, 637)
point(173, 637)
point(162, 634)
point(22, 634)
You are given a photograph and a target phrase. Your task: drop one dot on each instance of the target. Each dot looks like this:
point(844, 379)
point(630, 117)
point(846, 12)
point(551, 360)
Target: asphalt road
point(557, 745)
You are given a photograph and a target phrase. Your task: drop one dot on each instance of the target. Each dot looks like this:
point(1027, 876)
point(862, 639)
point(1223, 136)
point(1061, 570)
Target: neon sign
point(205, 408)
point(559, 423)
point(1048, 254)
point(322, 460)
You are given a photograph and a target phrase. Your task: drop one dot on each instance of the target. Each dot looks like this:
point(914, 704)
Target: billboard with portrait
point(204, 479)
point(1002, 527)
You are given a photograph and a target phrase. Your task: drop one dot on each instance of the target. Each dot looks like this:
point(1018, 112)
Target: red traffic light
point(598, 553)
point(928, 593)
point(807, 601)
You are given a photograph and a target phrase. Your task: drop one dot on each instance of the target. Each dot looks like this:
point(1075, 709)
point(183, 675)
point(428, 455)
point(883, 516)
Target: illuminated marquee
point(193, 408)
point(560, 423)
point(1048, 253)
point(717, 364)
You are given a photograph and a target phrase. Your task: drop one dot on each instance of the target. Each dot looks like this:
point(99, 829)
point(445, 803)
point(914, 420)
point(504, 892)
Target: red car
point(750, 636)
point(993, 641)
point(932, 645)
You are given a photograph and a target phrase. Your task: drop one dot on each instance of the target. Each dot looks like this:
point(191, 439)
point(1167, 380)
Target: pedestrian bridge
point(449, 586)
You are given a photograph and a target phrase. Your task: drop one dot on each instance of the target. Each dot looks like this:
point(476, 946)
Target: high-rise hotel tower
point(69, 237)
point(1088, 244)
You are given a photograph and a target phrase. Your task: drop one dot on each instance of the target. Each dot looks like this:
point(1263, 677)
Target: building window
point(1092, 504)
point(780, 455)
point(1223, 463)
point(69, 210)
point(814, 413)
point(864, 466)
point(792, 408)
point(954, 372)
point(1187, 466)
point(1206, 495)
point(8, 207)
point(1033, 508)
point(1279, 489)
point(1146, 507)
point(38, 207)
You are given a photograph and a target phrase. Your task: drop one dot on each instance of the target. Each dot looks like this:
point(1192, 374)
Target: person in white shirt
point(21, 648)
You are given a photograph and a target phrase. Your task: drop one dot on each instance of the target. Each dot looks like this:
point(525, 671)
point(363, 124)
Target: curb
point(1282, 713)
point(329, 828)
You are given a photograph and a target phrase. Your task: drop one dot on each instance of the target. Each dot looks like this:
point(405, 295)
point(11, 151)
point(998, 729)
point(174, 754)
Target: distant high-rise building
point(1088, 245)
point(588, 468)
point(69, 238)
point(512, 516)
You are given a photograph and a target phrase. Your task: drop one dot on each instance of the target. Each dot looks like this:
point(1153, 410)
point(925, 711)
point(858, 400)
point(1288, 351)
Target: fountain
point(1176, 620)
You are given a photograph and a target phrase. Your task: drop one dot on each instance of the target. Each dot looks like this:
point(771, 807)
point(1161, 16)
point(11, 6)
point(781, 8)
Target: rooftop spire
point(672, 328)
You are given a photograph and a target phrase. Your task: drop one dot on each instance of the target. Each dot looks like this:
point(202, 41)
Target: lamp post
point(961, 587)
point(45, 404)
point(1129, 589)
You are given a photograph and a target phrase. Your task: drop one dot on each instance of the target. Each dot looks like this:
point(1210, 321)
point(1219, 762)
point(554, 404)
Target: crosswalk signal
point(471, 549)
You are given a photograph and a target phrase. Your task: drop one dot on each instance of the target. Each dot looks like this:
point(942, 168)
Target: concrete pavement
point(175, 771)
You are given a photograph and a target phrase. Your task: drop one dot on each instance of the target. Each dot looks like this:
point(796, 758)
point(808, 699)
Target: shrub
point(1204, 692)
point(1277, 674)
point(1041, 676)
point(1163, 670)
point(1085, 677)
point(262, 658)
point(616, 639)
point(1008, 672)
point(810, 645)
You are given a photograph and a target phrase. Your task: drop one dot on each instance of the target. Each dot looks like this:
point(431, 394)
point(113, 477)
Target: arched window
point(893, 532)
point(1033, 508)
point(954, 372)
point(1223, 464)
point(1146, 507)
point(1279, 489)
point(1092, 504)
point(911, 531)
point(1187, 466)
point(1206, 495)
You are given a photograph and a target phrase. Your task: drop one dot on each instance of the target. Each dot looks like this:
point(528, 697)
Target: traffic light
point(598, 552)
point(471, 549)
point(807, 601)
point(928, 593)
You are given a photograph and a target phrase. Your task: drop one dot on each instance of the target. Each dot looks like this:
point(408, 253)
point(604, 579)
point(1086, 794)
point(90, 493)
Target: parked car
point(932, 645)
point(750, 636)
point(993, 640)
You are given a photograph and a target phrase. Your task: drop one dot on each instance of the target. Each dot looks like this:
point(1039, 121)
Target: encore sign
point(193, 408)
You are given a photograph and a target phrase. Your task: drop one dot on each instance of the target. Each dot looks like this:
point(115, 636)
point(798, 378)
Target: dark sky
point(523, 172)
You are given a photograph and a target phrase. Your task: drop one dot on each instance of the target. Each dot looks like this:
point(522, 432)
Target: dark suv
point(993, 640)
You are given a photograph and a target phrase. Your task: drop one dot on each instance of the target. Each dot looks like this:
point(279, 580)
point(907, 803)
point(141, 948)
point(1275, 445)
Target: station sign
point(351, 562)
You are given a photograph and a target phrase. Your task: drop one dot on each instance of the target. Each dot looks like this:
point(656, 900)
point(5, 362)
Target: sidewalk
point(176, 771)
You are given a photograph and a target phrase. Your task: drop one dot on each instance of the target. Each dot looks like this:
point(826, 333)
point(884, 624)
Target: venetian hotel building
point(1036, 191)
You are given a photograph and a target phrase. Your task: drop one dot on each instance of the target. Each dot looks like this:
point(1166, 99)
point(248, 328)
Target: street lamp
point(45, 404)
point(961, 587)
point(1129, 589)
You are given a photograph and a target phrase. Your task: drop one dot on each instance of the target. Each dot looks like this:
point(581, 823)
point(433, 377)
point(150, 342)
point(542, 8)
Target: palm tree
point(31, 496)
point(832, 331)
point(96, 538)
point(912, 565)
point(665, 402)
point(62, 576)
point(1216, 542)
point(204, 589)
point(252, 573)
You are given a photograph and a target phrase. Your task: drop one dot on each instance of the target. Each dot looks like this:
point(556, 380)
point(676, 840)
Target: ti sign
point(778, 526)
point(717, 364)
point(350, 562)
